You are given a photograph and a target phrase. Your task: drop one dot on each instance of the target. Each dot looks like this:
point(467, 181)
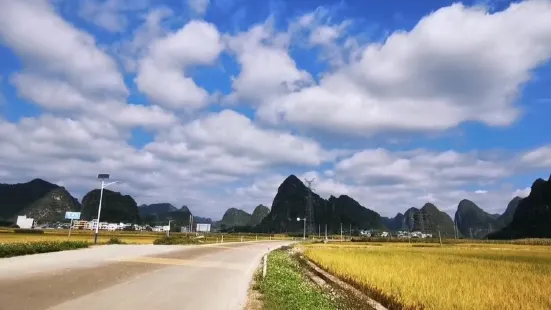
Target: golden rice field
point(430, 276)
point(8, 236)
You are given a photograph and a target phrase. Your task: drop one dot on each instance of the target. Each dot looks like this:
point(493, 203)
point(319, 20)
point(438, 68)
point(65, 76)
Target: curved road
point(213, 277)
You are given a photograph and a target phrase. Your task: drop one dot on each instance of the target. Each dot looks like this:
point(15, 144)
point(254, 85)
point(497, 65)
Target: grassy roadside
point(286, 288)
point(26, 248)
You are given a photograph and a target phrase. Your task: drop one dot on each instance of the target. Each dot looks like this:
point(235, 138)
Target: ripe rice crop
point(464, 276)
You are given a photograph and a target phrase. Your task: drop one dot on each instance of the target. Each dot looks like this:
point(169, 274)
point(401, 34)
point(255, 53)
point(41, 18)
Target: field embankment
point(429, 276)
point(285, 287)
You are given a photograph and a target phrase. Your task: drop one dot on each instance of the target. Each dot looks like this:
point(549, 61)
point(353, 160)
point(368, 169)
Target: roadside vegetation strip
point(286, 288)
point(26, 248)
point(443, 278)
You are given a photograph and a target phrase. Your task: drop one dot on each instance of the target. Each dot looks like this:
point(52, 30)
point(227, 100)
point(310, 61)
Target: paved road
point(122, 277)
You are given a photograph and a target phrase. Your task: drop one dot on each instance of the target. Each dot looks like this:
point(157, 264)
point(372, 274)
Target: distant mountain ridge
point(532, 216)
point(429, 219)
point(234, 217)
point(523, 217)
point(290, 204)
point(259, 213)
point(473, 222)
point(39, 199)
point(115, 207)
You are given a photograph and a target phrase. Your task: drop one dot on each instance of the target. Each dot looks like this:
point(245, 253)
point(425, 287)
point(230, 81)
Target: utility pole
point(454, 228)
point(310, 222)
point(319, 231)
point(350, 231)
point(471, 232)
point(439, 236)
point(341, 231)
point(325, 231)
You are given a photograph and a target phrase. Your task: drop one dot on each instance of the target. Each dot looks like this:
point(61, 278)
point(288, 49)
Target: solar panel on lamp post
point(102, 177)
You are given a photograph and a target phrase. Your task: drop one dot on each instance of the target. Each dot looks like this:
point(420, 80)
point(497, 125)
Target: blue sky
point(213, 103)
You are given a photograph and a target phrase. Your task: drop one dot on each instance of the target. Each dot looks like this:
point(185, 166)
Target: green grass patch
point(286, 288)
point(26, 248)
point(28, 231)
point(115, 240)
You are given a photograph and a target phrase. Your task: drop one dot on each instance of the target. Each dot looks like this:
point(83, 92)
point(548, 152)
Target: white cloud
point(109, 14)
point(130, 51)
point(421, 168)
point(160, 75)
point(540, 157)
point(236, 134)
point(59, 95)
point(457, 64)
point(198, 7)
point(267, 70)
point(49, 46)
point(522, 192)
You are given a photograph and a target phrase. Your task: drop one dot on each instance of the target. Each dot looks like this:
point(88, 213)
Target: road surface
point(213, 277)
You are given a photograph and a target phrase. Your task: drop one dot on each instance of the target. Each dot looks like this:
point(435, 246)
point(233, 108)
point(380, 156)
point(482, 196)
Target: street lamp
point(102, 177)
point(304, 232)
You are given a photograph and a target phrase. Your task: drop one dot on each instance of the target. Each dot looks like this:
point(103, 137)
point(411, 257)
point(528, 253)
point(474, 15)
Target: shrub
point(115, 240)
point(26, 248)
point(28, 231)
point(179, 239)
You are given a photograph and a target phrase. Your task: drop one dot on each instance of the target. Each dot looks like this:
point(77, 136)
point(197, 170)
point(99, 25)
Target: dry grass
point(461, 276)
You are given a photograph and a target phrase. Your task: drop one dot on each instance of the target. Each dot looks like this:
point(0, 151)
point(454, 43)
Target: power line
point(310, 222)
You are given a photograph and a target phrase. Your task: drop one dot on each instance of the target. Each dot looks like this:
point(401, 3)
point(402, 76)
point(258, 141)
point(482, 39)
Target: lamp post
point(102, 177)
point(304, 232)
point(168, 232)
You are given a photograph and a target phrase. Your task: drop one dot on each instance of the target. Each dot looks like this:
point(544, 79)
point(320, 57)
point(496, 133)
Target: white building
point(93, 223)
point(112, 227)
point(161, 228)
point(202, 228)
point(24, 222)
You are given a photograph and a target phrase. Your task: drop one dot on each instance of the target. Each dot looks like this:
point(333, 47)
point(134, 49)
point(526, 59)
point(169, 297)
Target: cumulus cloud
point(160, 74)
point(420, 167)
point(540, 157)
point(457, 64)
point(109, 14)
point(267, 70)
point(199, 7)
point(49, 46)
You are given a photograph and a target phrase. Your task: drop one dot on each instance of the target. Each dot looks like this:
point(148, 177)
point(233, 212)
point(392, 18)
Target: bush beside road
point(26, 248)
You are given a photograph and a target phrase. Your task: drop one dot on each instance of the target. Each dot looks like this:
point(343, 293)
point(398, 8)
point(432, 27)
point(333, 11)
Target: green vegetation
point(473, 222)
point(290, 203)
point(532, 217)
point(28, 231)
point(115, 207)
point(286, 288)
point(429, 276)
point(176, 240)
point(258, 215)
point(26, 248)
point(37, 199)
point(234, 217)
point(115, 240)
